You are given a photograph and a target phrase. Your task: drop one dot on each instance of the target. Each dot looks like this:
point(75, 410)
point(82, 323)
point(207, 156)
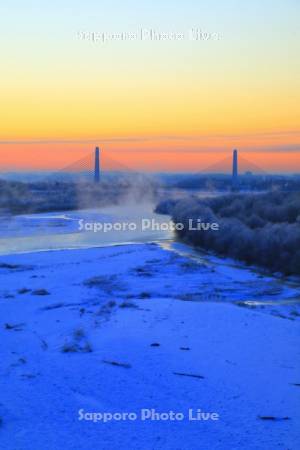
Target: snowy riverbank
point(132, 327)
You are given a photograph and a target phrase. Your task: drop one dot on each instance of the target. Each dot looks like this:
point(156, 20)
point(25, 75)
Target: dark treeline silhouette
point(222, 182)
point(259, 229)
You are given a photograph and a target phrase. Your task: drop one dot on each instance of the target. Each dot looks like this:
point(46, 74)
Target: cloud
point(249, 142)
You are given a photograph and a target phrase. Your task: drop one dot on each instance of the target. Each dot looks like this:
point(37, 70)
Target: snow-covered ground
point(142, 326)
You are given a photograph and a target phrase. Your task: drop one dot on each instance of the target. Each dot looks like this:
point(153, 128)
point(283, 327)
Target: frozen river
point(82, 229)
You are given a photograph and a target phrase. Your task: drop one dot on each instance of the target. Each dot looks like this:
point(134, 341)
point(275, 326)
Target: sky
point(154, 104)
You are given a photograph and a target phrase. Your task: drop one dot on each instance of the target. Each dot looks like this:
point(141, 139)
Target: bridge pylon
point(97, 165)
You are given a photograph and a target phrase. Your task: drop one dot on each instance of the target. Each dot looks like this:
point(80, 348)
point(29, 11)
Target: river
point(74, 230)
point(83, 229)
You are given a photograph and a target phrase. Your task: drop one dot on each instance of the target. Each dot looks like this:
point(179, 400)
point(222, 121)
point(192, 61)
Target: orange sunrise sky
point(167, 102)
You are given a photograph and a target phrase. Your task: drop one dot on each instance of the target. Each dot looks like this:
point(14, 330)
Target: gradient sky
point(154, 105)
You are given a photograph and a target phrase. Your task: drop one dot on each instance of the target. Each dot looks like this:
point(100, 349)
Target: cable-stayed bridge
point(225, 166)
point(97, 166)
point(92, 166)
